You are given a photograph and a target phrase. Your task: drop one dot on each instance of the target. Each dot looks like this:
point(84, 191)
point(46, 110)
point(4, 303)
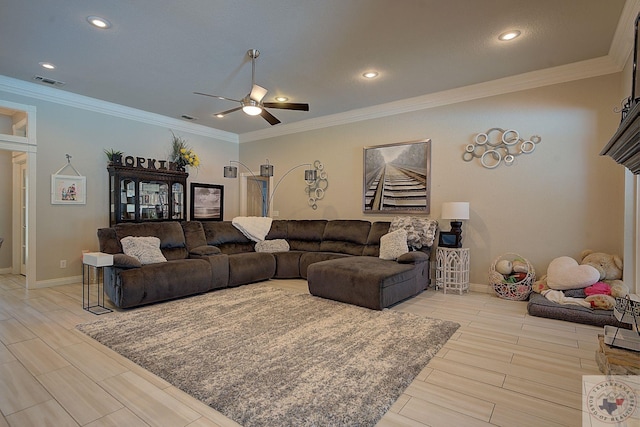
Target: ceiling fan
point(252, 103)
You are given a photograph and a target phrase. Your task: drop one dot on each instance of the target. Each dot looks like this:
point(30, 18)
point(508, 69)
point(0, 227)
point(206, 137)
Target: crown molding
point(58, 96)
point(550, 76)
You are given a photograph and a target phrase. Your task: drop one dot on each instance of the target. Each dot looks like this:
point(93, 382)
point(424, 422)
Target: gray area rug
point(270, 357)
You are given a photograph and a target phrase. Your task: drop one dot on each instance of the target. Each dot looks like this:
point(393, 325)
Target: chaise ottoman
point(368, 281)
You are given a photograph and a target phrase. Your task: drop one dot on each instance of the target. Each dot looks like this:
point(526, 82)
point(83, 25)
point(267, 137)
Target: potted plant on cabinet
point(114, 156)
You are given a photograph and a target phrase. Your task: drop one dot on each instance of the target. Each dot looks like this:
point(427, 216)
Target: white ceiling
point(160, 51)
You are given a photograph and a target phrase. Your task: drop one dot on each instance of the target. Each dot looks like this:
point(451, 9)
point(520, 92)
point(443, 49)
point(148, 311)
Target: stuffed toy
point(540, 285)
point(598, 288)
point(565, 273)
point(601, 302)
point(609, 266)
point(619, 289)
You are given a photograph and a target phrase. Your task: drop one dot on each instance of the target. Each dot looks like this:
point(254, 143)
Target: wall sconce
point(266, 170)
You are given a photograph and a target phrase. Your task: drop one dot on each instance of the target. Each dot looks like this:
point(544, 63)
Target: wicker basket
point(517, 291)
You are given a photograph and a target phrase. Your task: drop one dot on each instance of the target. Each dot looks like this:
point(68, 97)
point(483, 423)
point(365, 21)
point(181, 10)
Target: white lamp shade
point(455, 210)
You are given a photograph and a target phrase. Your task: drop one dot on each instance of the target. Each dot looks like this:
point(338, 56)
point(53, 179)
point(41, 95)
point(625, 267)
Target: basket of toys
point(512, 276)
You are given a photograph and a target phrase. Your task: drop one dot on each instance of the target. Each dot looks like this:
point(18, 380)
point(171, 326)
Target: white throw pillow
point(565, 273)
point(275, 245)
point(393, 244)
point(144, 249)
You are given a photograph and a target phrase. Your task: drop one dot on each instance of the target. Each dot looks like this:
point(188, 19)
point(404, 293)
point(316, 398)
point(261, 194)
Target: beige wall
point(558, 200)
point(63, 231)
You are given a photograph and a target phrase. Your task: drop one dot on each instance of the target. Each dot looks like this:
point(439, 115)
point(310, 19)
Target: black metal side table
point(98, 260)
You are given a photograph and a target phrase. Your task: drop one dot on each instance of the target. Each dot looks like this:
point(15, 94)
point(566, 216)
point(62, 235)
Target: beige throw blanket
point(255, 228)
point(558, 296)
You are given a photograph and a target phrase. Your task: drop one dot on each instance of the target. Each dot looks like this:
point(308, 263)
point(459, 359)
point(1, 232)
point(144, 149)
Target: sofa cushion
point(193, 234)
point(205, 250)
point(305, 234)
point(393, 244)
point(251, 267)
point(278, 229)
point(145, 249)
point(413, 257)
point(125, 261)
point(345, 236)
point(108, 241)
point(378, 229)
point(229, 239)
point(308, 258)
point(160, 282)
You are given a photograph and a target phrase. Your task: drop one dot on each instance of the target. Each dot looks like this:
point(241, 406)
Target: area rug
point(270, 357)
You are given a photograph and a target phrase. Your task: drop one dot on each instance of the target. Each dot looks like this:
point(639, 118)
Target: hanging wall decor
point(503, 146)
point(68, 189)
point(315, 188)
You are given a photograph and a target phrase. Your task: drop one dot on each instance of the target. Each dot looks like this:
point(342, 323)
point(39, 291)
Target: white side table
point(98, 260)
point(452, 269)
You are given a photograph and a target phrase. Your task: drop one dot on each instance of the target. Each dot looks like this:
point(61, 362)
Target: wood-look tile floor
point(502, 367)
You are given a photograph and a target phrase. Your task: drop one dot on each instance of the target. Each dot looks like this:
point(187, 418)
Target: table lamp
point(456, 212)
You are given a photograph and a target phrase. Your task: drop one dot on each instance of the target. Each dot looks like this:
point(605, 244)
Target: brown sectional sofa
point(339, 258)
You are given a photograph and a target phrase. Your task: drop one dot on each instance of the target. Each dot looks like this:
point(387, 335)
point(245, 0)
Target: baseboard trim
point(57, 282)
point(481, 288)
point(7, 270)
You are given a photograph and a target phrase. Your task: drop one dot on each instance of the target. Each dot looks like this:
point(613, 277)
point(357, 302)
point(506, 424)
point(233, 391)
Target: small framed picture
point(450, 239)
point(68, 190)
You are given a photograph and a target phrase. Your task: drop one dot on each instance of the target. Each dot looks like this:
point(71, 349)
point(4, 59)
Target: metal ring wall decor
point(506, 149)
point(315, 189)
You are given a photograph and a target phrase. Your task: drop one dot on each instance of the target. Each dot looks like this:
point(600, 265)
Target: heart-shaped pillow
point(565, 273)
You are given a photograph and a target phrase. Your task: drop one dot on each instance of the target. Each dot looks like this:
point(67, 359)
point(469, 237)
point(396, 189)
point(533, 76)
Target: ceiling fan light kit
point(252, 104)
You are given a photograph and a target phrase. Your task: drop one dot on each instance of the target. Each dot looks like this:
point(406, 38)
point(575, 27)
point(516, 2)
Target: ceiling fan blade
point(257, 93)
point(287, 105)
point(224, 113)
point(217, 96)
point(269, 117)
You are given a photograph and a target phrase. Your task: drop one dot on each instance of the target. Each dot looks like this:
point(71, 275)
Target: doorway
point(18, 135)
point(254, 195)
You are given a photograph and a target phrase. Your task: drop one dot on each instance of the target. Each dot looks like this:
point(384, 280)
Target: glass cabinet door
point(127, 200)
point(177, 190)
point(153, 200)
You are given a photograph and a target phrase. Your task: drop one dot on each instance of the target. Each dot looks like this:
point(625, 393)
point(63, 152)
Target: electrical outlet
point(275, 213)
point(63, 263)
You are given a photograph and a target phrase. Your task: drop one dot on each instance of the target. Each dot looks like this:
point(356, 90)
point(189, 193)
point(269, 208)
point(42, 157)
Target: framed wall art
point(397, 178)
point(68, 190)
point(207, 202)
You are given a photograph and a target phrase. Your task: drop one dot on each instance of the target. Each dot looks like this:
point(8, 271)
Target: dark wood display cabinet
point(140, 194)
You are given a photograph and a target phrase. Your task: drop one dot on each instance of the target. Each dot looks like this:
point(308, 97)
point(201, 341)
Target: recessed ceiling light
point(370, 74)
point(98, 22)
point(219, 116)
point(281, 98)
point(47, 65)
point(509, 35)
